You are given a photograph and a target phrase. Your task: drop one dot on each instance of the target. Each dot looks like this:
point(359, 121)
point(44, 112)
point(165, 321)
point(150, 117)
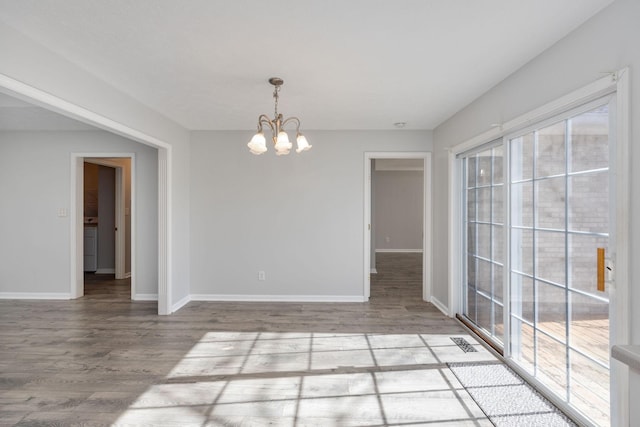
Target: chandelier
point(257, 145)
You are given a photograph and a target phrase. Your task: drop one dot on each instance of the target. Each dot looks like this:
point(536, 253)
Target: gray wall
point(299, 218)
point(398, 202)
point(607, 42)
point(34, 247)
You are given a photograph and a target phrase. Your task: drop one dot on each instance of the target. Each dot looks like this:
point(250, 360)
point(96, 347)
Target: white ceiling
point(347, 64)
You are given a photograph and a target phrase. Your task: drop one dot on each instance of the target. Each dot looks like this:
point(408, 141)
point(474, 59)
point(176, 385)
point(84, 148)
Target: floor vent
point(463, 344)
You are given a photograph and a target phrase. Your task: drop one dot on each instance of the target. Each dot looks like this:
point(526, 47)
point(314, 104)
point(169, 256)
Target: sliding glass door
point(552, 220)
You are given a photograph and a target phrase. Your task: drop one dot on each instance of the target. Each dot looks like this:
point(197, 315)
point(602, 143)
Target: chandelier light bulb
point(303, 145)
point(257, 145)
point(282, 143)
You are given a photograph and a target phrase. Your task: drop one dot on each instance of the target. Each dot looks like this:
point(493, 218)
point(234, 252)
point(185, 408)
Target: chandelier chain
point(275, 96)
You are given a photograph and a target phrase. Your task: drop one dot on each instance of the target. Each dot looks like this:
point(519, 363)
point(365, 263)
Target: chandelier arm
point(294, 120)
point(265, 120)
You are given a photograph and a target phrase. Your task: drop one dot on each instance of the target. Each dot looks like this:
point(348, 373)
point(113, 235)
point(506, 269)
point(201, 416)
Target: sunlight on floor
point(254, 378)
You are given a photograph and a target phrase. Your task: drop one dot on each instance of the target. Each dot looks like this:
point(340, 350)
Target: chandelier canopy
point(258, 145)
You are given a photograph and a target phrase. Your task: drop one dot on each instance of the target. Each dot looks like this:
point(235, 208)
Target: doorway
point(117, 228)
point(107, 225)
point(416, 236)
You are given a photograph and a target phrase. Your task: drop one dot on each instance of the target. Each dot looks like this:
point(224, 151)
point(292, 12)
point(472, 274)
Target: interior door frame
point(619, 305)
point(77, 215)
point(426, 217)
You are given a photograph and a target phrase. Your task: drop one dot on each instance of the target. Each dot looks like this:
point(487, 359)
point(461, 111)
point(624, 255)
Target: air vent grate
point(463, 344)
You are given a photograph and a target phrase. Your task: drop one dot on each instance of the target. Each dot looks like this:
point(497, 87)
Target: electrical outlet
point(261, 275)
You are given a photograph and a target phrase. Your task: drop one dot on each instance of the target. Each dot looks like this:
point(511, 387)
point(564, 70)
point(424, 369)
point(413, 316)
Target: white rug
point(507, 399)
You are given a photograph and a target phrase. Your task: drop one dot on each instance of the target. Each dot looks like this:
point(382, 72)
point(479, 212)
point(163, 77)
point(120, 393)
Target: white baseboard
point(106, 271)
point(145, 297)
point(127, 275)
point(34, 295)
point(178, 305)
point(374, 271)
point(440, 306)
point(278, 298)
point(410, 251)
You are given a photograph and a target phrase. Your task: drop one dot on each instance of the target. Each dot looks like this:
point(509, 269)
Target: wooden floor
point(105, 360)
